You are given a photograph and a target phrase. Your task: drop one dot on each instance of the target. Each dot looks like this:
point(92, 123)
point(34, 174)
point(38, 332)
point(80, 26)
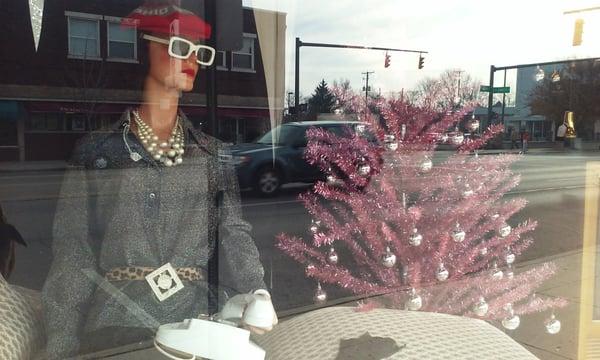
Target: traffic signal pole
point(300, 44)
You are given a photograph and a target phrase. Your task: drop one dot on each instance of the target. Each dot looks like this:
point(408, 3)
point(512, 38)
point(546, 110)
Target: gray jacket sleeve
point(239, 252)
point(67, 290)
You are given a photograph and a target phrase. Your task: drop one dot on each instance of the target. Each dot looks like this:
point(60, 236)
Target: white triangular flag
point(36, 11)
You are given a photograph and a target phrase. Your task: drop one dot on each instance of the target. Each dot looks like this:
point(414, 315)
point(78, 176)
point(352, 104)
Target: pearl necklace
point(170, 152)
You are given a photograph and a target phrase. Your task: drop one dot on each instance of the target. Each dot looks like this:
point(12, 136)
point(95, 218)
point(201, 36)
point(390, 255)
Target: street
point(553, 184)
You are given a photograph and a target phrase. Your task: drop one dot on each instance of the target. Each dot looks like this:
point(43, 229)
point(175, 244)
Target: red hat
point(156, 16)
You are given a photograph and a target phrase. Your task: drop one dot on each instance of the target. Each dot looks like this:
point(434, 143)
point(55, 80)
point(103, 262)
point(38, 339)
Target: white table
point(379, 334)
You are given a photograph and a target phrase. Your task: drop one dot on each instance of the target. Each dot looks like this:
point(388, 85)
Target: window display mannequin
point(150, 193)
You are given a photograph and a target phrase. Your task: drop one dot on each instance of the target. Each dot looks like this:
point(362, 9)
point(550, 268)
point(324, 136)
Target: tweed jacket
point(115, 212)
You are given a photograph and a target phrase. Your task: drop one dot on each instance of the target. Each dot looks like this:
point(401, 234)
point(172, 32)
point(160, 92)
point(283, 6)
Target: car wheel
point(268, 181)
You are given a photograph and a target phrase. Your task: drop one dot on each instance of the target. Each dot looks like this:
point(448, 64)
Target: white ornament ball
point(457, 138)
point(442, 273)
point(458, 235)
point(314, 226)
point(473, 125)
point(388, 259)
point(364, 170)
point(414, 302)
point(511, 322)
point(504, 230)
point(552, 325)
point(332, 257)
point(415, 238)
point(510, 258)
point(481, 307)
point(426, 165)
point(496, 273)
point(320, 295)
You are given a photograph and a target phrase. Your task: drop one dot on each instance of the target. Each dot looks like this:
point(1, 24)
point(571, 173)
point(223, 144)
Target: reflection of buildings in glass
point(87, 70)
point(539, 128)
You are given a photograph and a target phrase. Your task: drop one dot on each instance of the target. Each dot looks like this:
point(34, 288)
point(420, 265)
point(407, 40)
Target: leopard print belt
point(140, 272)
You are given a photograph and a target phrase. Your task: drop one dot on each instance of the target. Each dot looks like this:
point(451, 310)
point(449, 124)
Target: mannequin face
point(172, 73)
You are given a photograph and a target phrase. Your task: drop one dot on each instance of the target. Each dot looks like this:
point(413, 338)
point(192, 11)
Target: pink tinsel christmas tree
point(429, 236)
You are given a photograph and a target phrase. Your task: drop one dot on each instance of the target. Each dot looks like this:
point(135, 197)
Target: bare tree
point(452, 89)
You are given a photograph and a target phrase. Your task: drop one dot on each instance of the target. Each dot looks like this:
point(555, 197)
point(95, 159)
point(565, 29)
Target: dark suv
point(277, 157)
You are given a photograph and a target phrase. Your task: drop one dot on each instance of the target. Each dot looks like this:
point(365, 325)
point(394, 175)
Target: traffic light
point(387, 60)
point(421, 62)
point(578, 32)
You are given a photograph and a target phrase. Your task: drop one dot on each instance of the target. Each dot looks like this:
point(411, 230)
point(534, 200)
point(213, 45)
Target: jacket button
point(152, 196)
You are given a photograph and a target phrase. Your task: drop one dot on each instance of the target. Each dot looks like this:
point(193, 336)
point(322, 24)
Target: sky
point(460, 34)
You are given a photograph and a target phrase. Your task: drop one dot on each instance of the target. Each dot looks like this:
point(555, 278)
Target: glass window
point(84, 38)
point(122, 42)
point(243, 59)
point(150, 190)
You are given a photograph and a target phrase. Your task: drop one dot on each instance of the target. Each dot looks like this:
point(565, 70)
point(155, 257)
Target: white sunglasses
point(181, 48)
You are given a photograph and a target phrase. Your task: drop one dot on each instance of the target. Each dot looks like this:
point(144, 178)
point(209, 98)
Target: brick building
point(88, 69)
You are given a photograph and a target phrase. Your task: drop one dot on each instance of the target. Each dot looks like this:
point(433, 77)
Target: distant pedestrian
point(513, 138)
point(525, 140)
point(560, 133)
point(597, 129)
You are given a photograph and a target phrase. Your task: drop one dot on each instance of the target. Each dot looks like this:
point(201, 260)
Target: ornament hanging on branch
point(320, 295)
point(512, 320)
point(414, 302)
point(415, 239)
point(332, 256)
point(458, 235)
point(552, 325)
point(481, 307)
point(442, 273)
point(389, 258)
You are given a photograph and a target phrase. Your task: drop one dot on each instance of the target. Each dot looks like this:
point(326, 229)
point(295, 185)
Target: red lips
point(189, 72)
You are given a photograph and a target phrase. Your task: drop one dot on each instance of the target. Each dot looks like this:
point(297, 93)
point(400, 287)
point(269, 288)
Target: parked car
point(277, 157)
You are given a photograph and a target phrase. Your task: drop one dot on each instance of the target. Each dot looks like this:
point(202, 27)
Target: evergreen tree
point(322, 100)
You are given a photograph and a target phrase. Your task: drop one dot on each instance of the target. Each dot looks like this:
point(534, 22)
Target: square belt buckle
point(164, 282)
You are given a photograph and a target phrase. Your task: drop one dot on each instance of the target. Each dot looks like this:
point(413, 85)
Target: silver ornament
point(496, 273)
point(360, 128)
point(415, 238)
point(473, 125)
point(504, 230)
point(468, 191)
point(320, 295)
point(512, 320)
point(442, 273)
point(390, 142)
point(457, 138)
point(509, 273)
point(314, 226)
point(483, 251)
point(426, 165)
point(364, 169)
point(388, 259)
point(332, 256)
point(414, 302)
point(552, 325)
point(510, 257)
point(458, 235)
point(481, 307)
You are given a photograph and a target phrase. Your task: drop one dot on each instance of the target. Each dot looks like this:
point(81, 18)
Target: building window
point(84, 36)
point(122, 42)
point(243, 59)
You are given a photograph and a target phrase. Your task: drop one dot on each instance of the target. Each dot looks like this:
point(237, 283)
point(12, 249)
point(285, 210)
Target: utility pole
point(289, 101)
point(367, 86)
